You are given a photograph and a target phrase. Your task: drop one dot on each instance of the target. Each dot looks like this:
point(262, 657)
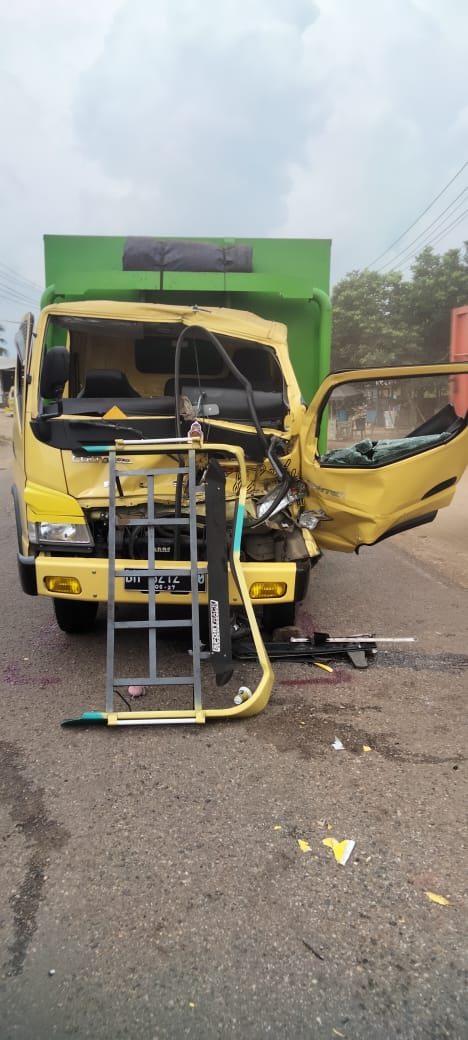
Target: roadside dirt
point(6, 425)
point(444, 543)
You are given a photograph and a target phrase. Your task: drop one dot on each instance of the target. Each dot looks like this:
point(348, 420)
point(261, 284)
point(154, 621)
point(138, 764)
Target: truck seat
point(256, 367)
point(107, 382)
point(232, 401)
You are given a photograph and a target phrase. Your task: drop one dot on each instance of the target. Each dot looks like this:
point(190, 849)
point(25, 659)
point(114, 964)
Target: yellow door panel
point(392, 450)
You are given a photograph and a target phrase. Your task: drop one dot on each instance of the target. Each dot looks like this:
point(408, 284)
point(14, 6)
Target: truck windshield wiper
point(71, 434)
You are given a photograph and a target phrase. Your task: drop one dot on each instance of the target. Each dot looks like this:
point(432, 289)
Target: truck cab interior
point(129, 371)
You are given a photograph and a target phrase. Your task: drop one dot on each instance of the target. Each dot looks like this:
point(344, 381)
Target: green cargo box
point(289, 282)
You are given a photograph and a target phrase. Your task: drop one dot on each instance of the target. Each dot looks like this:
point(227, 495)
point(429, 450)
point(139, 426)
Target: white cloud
point(294, 117)
point(207, 106)
point(394, 80)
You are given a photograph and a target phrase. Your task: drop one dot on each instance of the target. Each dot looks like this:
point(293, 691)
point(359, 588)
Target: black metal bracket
point(309, 650)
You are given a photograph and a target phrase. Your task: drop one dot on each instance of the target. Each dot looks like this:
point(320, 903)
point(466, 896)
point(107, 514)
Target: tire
point(75, 616)
point(283, 615)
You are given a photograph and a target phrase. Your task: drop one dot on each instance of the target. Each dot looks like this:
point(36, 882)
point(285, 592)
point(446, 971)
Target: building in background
point(7, 378)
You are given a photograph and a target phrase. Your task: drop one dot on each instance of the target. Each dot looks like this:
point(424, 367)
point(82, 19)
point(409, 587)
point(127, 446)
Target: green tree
point(370, 320)
point(3, 347)
point(439, 284)
point(383, 319)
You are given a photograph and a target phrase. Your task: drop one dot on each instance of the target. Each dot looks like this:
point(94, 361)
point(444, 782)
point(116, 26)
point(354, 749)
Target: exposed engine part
point(274, 503)
point(132, 541)
point(273, 545)
point(312, 518)
point(291, 547)
point(259, 547)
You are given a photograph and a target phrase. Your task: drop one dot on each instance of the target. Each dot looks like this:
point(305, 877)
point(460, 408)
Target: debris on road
point(313, 950)
point(303, 845)
point(243, 694)
point(136, 691)
point(341, 849)
point(361, 637)
point(325, 667)
point(437, 899)
point(309, 648)
point(337, 745)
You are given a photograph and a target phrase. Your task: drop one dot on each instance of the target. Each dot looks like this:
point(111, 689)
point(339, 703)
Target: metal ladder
point(209, 573)
point(151, 574)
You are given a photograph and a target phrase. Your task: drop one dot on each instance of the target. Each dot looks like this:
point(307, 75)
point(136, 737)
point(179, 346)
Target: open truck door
point(383, 451)
point(23, 343)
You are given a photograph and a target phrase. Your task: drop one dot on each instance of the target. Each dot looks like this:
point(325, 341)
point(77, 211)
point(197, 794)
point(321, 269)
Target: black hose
point(280, 470)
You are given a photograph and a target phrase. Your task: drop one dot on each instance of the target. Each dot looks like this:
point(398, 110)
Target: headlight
point(296, 492)
point(59, 534)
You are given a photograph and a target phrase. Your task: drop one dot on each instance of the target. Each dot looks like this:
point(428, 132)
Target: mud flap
point(218, 589)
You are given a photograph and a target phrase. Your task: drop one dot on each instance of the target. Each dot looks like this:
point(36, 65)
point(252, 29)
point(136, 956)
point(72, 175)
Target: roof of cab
point(222, 320)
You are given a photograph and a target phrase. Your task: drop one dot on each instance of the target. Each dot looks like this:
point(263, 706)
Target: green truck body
point(289, 283)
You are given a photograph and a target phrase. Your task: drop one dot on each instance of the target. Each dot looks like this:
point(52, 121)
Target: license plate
point(177, 584)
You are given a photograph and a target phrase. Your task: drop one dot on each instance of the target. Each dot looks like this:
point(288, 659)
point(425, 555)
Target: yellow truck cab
point(153, 342)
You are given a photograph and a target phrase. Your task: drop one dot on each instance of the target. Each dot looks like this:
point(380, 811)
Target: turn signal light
point(267, 589)
point(71, 586)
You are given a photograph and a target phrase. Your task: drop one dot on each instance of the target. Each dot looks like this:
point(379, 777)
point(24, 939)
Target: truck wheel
point(75, 616)
point(283, 615)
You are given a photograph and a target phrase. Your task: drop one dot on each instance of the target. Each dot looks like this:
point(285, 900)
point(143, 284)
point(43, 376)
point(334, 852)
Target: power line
point(19, 300)
point(438, 237)
point(32, 293)
point(19, 284)
point(407, 249)
point(426, 210)
point(442, 233)
point(455, 224)
point(16, 295)
point(18, 275)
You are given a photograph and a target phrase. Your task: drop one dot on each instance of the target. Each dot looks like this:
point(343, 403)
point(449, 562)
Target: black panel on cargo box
point(154, 254)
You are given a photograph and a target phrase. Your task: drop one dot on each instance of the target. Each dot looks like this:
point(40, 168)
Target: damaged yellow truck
point(228, 342)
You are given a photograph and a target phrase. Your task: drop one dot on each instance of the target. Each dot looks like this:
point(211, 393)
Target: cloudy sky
point(299, 118)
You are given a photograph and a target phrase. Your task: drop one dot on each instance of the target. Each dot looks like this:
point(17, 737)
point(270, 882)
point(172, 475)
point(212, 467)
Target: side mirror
point(55, 373)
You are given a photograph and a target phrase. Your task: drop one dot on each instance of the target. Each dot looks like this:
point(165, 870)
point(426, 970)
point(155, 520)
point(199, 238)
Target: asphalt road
point(152, 881)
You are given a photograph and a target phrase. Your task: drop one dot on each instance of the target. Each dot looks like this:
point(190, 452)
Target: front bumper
point(27, 574)
point(92, 574)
